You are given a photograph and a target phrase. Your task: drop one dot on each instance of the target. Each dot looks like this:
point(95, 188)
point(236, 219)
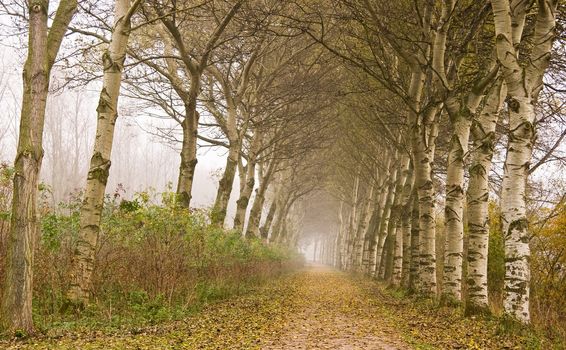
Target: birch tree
point(524, 83)
point(462, 98)
point(43, 46)
point(483, 136)
point(247, 179)
point(185, 68)
point(233, 124)
point(403, 225)
point(107, 113)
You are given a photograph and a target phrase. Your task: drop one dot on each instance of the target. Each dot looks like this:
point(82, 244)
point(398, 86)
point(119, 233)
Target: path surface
point(315, 308)
point(334, 313)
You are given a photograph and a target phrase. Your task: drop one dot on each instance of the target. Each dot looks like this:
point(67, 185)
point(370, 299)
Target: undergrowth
point(427, 324)
point(154, 263)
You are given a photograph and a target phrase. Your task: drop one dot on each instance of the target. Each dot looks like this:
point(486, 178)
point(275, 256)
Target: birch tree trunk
point(218, 214)
point(43, 47)
point(232, 97)
point(264, 230)
point(424, 138)
point(280, 213)
point(461, 117)
point(394, 229)
point(387, 258)
point(403, 223)
point(454, 208)
point(82, 263)
point(523, 86)
point(370, 236)
point(343, 236)
point(362, 229)
point(283, 220)
point(398, 254)
point(246, 188)
point(415, 94)
point(189, 146)
point(374, 241)
point(385, 217)
point(338, 245)
point(414, 267)
point(255, 214)
point(483, 136)
point(350, 233)
point(249, 183)
point(407, 242)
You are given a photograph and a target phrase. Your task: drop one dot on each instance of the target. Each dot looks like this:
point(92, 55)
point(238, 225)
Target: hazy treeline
point(246, 81)
point(456, 107)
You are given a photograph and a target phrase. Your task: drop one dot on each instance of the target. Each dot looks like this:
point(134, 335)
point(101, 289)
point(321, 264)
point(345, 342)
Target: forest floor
point(314, 308)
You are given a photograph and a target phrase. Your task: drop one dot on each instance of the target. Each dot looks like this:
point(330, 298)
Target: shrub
point(152, 261)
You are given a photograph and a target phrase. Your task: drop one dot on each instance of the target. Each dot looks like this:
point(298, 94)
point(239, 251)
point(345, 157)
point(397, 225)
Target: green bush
point(153, 262)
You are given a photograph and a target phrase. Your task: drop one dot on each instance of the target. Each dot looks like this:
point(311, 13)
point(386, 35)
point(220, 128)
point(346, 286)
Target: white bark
point(384, 222)
point(483, 135)
point(352, 222)
point(368, 207)
point(414, 266)
point(406, 231)
point(252, 230)
point(424, 137)
point(523, 85)
point(82, 263)
point(386, 270)
point(343, 237)
point(454, 210)
point(248, 183)
point(233, 92)
point(338, 240)
point(381, 196)
point(403, 223)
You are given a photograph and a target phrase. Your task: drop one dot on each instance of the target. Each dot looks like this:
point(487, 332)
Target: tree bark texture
point(43, 47)
point(82, 263)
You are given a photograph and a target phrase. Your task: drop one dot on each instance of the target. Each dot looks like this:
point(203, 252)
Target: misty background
point(141, 160)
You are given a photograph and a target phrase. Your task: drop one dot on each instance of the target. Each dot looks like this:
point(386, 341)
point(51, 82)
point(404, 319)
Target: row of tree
point(441, 82)
point(347, 96)
point(232, 74)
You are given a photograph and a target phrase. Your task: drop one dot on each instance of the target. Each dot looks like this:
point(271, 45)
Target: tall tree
point(192, 67)
point(107, 114)
point(43, 47)
point(524, 83)
point(483, 136)
point(234, 124)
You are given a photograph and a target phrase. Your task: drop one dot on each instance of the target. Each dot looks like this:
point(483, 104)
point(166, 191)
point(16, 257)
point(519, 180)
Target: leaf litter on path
point(314, 308)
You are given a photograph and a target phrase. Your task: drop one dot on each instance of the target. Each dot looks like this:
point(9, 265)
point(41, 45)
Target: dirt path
point(315, 308)
point(334, 313)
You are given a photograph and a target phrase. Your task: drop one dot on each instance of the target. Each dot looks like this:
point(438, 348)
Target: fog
point(141, 161)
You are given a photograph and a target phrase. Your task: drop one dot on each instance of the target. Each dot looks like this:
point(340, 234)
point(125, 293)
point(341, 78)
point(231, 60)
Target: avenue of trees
point(407, 129)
